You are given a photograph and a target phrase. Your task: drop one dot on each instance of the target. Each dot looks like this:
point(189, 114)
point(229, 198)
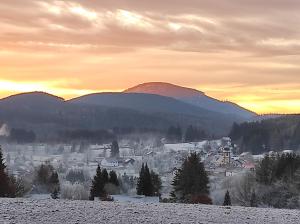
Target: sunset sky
point(245, 51)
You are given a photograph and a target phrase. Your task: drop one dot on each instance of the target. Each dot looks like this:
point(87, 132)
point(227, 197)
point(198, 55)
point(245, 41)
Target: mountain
point(48, 115)
point(33, 99)
point(192, 96)
point(157, 108)
point(149, 103)
point(167, 108)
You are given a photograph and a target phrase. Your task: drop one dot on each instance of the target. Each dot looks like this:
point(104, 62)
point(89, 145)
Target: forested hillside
point(268, 135)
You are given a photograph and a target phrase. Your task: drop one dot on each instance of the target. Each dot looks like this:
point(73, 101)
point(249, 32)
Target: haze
point(246, 51)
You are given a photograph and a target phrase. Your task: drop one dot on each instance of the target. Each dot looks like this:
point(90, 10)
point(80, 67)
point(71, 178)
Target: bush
point(74, 191)
point(200, 199)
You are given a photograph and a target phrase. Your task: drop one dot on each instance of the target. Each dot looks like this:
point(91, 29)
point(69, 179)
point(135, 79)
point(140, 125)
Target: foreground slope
point(58, 211)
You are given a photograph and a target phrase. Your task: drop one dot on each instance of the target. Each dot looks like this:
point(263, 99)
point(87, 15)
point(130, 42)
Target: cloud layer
point(246, 51)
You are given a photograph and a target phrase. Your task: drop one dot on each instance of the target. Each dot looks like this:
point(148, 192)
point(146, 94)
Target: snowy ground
point(27, 211)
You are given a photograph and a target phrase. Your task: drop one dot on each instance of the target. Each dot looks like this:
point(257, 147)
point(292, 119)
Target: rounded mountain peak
point(164, 89)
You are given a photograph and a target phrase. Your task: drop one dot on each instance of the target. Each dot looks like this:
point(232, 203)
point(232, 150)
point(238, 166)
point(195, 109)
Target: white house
point(109, 162)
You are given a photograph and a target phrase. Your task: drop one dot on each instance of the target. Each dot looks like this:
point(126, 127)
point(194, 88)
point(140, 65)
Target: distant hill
point(167, 108)
point(192, 96)
point(149, 103)
point(47, 115)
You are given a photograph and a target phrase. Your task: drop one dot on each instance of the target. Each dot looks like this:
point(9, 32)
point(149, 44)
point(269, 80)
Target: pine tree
point(97, 189)
point(54, 183)
point(148, 185)
point(176, 194)
point(227, 199)
point(4, 178)
point(113, 178)
point(174, 134)
point(191, 181)
point(2, 165)
point(253, 200)
point(140, 183)
point(156, 181)
point(145, 185)
point(189, 134)
point(265, 171)
point(105, 177)
point(115, 149)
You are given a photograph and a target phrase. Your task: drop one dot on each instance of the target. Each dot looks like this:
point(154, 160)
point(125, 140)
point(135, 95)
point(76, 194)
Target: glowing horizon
point(243, 52)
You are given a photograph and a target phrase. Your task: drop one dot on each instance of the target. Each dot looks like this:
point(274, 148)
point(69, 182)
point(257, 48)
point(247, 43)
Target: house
point(249, 166)
point(128, 161)
point(287, 152)
point(151, 153)
point(109, 162)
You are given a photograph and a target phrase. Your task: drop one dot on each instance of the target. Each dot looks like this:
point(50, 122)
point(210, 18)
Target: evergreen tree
point(176, 194)
point(140, 183)
point(193, 134)
point(156, 181)
point(145, 185)
point(113, 178)
point(227, 199)
point(97, 189)
point(174, 134)
point(295, 143)
point(253, 200)
point(54, 183)
point(148, 185)
point(43, 174)
point(189, 134)
point(5, 185)
point(191, 181)
point(105, 177)
point(115, 149)
point(265, 171)
point(272, 169)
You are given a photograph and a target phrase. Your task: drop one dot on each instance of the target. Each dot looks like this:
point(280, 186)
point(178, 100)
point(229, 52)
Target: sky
point(245, 51)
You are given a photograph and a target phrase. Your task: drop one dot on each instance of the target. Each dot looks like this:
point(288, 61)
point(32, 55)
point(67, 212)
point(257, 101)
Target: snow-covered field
point(27, 211)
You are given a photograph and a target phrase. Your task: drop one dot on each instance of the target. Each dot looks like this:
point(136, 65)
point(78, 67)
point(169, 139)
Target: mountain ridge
point(47, 114)
point(185, 94)
point(191, 96)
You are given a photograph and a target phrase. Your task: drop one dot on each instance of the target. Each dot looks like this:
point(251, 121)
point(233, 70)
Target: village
point(220, 157)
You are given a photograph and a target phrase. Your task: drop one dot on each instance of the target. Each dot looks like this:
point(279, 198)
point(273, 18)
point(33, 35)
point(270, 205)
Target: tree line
point(190, 134)
point(274, 183)
point(267, 135)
